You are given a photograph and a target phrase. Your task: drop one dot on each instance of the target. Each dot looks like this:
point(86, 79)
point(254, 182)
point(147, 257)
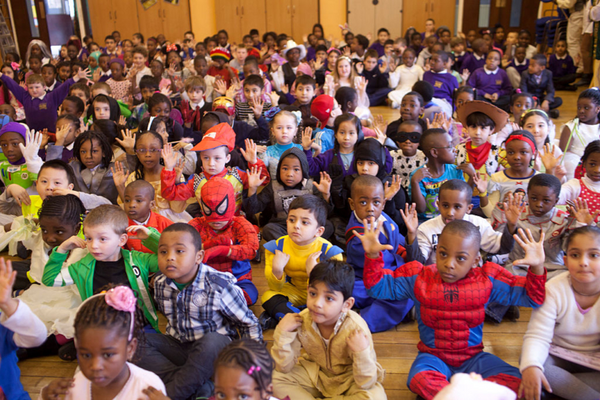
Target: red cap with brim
point(217, 136)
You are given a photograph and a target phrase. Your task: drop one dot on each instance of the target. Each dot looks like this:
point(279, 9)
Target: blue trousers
point(380, 315)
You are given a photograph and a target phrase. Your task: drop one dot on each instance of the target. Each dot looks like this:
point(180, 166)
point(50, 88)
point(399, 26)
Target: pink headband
point(120, 298)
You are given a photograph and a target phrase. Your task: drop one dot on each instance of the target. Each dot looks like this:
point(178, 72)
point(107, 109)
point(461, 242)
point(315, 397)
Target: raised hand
point(324, 185)
point(317, 64)
point(256, 104)
point(465, 75)
point(360, 83)
point(370, 239)
point(391, 188)
point(360, 67)
point(254, 178)
point(119, 174)
point(250, 152)
point(274, 98)
point(285, 89)
point(411, 219)
point(421, 174)
point(383, 67)
point(280, 260)
point(128, 141)
point(439, 121)
point(220, 87)
point(169, 157)
point(392, 65)
point(8, 304)
point(61, 135)
point(140, 232)
point(166, 91)
point(548, 159)
point(307, 139)
point(468, 169)
point(534, 251)
point(122, 120)
point(312, 261)
point(30, 151)
point(74, 242)
point(481, 182)
point(580, 211)
point(46, 139)
point(82, 74)
point(513, 207)
point(357, 341)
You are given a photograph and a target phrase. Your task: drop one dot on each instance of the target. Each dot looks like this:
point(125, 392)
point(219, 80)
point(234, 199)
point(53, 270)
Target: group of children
point(131, 190)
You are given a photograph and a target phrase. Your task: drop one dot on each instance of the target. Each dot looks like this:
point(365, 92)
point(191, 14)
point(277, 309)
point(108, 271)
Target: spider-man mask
point(217, 200)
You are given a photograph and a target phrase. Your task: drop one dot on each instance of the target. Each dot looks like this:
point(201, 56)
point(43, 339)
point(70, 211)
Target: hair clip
point(271, 113)
point(253, 368)
point(298, 115)
point(518, 91)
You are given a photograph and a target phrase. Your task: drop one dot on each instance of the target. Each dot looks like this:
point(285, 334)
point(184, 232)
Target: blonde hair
point(108, 214)
point(101, 86)
point(353, 74)
point(35, 78)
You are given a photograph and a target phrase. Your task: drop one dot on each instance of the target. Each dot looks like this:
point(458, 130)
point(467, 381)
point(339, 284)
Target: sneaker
point(266, 322)
point(554, 113)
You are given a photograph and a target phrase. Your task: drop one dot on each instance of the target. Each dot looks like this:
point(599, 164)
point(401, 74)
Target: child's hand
point(360, 67)
point(468, 169)
point(370, 239)
point(307, 139)
point(357, 341)
point(64, 192)
point(410, 217)
point(312, 261)
point(383, 67)
point(513, 207)
point(217, 251)
point(220, 86)
point(545, 106)
point(465, 75)
point(481, 182)
point(30, 151)
point(18, 193)
point(128, 142)
point(580, 211)
point(550, 162)
point(285, 89)
point(61, 135)
point(140, 232)
point(391, 188)
point(290, 322)
point(56, 388)
point(274, 98)
point(254, 178)
point(440, 121)
point(280, 260)
point(46, 138)
point(166, 91)
point(360, 83)
point(82, 74)
point(256, 104)
point(324, 185)
point(534, 251)
point(122, 120)
point(420, 174)
point(153, 394)
point(169, 157)
point(250, 152)
point(531, 384)
point(119, 174)
point(74, 242)
point(8, 304)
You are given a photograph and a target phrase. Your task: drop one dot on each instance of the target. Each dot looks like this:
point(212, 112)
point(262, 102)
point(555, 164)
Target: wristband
point(484, 194)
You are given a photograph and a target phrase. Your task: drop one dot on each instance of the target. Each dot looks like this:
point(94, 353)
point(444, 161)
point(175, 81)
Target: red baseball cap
point(219, 135)
point(321, 108)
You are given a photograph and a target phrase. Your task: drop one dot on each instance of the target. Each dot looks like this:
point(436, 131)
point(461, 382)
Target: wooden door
point(254, 16)
point(443, 12)
point(228, 15)
point(361, 17)
point(501, 16)
point(279, 16)
point(305, 13)
point(415, 13)
point(150, 20)
point(388, 14)
point(177, 19)
point(125, 14)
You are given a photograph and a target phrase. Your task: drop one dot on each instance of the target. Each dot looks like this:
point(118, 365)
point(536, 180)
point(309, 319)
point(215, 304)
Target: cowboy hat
point(497, 115)
point(290, 44)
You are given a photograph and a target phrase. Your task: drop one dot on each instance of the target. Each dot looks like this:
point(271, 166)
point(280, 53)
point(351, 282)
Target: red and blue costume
point(230, 248)
point(450, 318)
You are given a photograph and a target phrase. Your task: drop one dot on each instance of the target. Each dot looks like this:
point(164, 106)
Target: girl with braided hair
point(244, 369)
point(108, 332)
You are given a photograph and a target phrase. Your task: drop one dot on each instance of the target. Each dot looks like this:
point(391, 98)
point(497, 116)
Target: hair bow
point(172, 47)
point(15, 66)
point(271, 113)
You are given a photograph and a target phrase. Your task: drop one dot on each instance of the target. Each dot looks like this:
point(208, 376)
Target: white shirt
point(571, 190)
point(29, 330)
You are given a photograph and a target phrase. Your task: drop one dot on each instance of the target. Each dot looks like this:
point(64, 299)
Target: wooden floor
point(396, 349)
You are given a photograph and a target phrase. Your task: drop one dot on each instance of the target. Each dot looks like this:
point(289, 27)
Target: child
point(72, 105)
point(230, 241)
point(49, 75)
point(476, 59)
point(19, 328)
point(408, 157)
point(520, 152)
point(491, 82)
point(201, 69)
point(20, 148)
point(457, 45)
point(517, 66)
point(292, 180)
point(40, 107)
point(214, 152)
point(404, 77)
point(160, 105)
point(426, 180)
point(450, 298)
point(581, 130)
point(68, 128)
point(82, 91)
point(562, 67)
point(304, 93)
point(524, 40)
point(253, 91)
point(537, 80)
point(220, 57)
point(103, 72)
point(586, 186)
point(138, 204)
point(158, 72)
point(427, 52)
point(120, 87)
point(148, 86)
point(325, 109)
point(341, 360)
point(547, 158)
point(231, 371)
point(367, 201)
point(443, 82)
point(412, 107)
point(377, 78)
point(284, 127)
point(111, 319)
point(454, 203)
point(193, 110)
point(379, 46)
point(566, 320)
point(138, 70)
point(204, 310)
point(289, 259)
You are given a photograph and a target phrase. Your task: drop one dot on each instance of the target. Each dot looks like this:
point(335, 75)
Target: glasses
point(144, 151)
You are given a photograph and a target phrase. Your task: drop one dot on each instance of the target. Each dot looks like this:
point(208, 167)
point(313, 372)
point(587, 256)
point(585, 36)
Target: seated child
point(450, 297)
point(516, 66)
point(289, 259)
point(443, 82)
point(566, 320)
point(204, 310)
point(367, 202)
point(284, 128)
point(273, 202)
point(404, 77)
point(138, 204)
point(253, 91)
point(49, 75)
point(110, 319)
point(377, 78)
point(562, 67)
point(72, 105)
point(40, 107)
point(148, 86)
point(19, 328)
point(325, 109)
point(586, 186)
point(408, 157)
point(548, 157)
point(120, 87)
point(304, 91)
point(537, 80)
point(412, 107)
point(230, 241)
point(454, 203)
point(193, 110)
point(475, 59)
point(105, 230)
point(491, 82)
point(425, 181)
point(68, 127)
point(340, 360)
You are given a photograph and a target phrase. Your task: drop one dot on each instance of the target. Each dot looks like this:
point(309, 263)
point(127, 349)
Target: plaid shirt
point(211, 303)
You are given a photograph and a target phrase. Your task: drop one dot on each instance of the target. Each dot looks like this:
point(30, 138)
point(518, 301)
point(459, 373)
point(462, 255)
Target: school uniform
point(444, 84)
point(472, 61)
point(540, 86)
point(514, 69)
point(377, 86)
point(563, 71)
point(490, 82)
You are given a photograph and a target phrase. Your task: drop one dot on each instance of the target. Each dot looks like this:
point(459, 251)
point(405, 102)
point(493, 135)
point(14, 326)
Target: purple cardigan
point(322, 162)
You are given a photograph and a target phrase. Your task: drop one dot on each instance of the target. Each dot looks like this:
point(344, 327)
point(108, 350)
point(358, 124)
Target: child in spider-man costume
point(450, 299)
point(229, 242)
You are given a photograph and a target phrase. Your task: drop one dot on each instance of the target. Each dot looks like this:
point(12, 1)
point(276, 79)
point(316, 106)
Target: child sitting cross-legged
point(450, 297)
point(367, 201)
point(340, 360)
point(204, 308)
point(289, 259)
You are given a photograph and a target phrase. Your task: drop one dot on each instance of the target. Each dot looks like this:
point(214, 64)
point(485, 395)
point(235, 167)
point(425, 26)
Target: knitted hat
point(217, 136)
point(321, 108)
point(14, 127)
point(220, 53)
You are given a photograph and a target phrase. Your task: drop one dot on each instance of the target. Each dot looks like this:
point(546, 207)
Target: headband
point(345, 58)
point(522, 138)
point(535, 109)
point(121, 298)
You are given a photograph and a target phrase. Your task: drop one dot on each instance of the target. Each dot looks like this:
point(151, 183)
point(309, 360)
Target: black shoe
point(266, 322)
point(554, 113)
point(569, 88)
point(68, 352)
point(585, 80)
point(512, 314)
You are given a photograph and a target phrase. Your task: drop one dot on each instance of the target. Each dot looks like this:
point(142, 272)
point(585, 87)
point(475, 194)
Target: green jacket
point(137, 265)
